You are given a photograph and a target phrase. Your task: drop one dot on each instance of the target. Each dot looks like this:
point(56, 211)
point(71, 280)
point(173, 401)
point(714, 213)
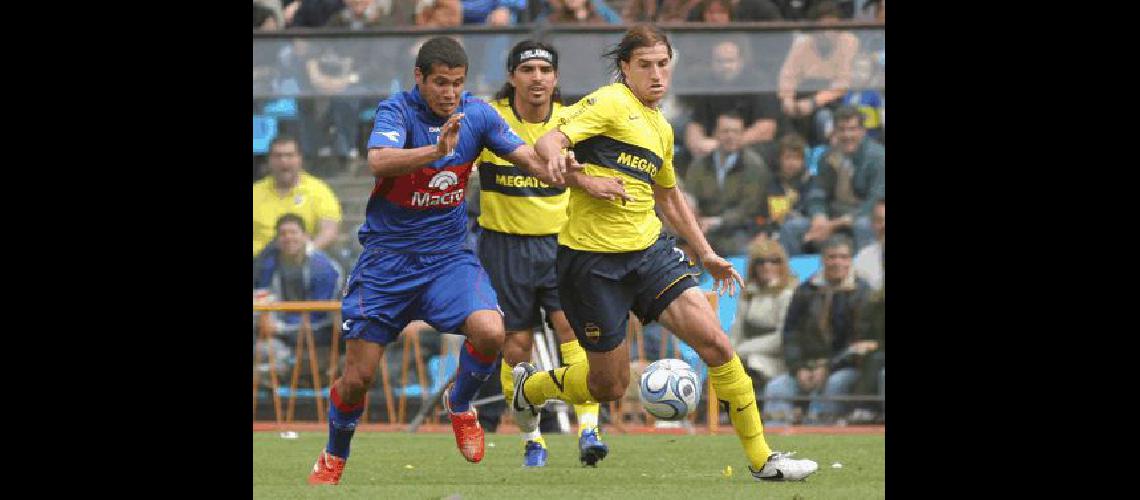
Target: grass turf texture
point(638, 466)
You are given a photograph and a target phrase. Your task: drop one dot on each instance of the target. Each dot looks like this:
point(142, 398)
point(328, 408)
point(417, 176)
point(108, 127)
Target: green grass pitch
point(639, 466)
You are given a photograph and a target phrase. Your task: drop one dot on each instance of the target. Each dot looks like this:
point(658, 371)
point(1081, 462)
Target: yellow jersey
point(512, 201)
point(311, 199)
point(614, 135)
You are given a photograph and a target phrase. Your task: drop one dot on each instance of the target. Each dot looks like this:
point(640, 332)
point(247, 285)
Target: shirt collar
point(300, 180)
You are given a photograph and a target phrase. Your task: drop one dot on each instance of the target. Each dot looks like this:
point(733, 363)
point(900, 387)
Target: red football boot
point(468, 432)
point(327, 470)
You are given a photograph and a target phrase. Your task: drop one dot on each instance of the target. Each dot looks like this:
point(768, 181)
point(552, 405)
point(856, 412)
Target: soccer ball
point(669, 389)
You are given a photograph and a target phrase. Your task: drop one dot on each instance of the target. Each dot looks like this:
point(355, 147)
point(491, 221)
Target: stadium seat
point(264, 130)
point(281, 108)
point(804, 265)
point(438, 375)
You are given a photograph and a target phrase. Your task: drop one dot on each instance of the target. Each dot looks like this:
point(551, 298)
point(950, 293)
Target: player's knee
point(355, 381)
point(488, 341)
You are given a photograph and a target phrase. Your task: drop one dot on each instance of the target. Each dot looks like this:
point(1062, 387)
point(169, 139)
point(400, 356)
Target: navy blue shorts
point(387, 290)
point(598, 290)
point(523, 273)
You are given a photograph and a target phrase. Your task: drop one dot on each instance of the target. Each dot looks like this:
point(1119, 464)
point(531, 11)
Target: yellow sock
point(508, 381)
point(572, 353)
point(567, 383)
point(734, 389)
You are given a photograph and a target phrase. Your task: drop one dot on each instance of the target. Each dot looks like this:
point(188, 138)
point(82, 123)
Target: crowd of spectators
point(797, 171)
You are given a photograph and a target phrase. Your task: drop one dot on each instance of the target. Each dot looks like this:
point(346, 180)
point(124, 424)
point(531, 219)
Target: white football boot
point(782, 467)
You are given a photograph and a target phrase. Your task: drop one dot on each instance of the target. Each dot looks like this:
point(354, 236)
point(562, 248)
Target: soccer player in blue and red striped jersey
point(415, 264)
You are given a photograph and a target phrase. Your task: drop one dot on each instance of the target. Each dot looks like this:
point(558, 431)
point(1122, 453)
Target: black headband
point(522, 56)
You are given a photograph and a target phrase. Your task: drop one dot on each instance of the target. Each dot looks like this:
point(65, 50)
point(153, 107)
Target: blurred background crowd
point(779, 113)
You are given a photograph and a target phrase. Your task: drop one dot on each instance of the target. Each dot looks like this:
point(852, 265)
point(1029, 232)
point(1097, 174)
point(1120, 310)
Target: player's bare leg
point(485, 334)
point(691, 318)
point(346, 404)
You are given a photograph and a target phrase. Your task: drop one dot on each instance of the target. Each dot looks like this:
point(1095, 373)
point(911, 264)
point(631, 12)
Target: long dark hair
point(638, 35)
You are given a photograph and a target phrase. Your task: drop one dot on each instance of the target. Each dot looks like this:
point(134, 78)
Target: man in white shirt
point(869, 261)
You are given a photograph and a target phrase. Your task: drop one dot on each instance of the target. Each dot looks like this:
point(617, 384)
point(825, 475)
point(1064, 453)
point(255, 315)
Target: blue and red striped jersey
point(425, 211)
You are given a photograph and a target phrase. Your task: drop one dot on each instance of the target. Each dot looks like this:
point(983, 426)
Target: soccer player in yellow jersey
point(520, 219)
point(613, 258)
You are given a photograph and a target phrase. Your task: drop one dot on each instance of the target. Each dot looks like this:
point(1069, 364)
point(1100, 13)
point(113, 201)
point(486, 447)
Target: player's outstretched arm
point(606, 188)
point(549, 148)
point(525, 157)
point(677, 213)
point(391, 162)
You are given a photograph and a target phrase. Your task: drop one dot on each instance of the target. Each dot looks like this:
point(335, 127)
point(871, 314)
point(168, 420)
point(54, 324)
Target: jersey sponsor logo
point(443, 180)
point(421, 199)
point(506, 180)
point(630, 159)
point(429, 187)
point(392, 136)
point(523, 181)
point(637, 162)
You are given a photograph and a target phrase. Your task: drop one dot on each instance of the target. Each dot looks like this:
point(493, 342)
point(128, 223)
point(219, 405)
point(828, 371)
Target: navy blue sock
point(342, 424)
point(473, 370)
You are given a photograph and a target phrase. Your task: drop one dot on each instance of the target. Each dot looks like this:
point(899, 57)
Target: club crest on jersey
point(593, 333)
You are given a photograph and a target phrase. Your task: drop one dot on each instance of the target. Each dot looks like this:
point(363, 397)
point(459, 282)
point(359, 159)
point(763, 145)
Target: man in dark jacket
point(851, 177)
point(729, 186)
point(822, 346)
